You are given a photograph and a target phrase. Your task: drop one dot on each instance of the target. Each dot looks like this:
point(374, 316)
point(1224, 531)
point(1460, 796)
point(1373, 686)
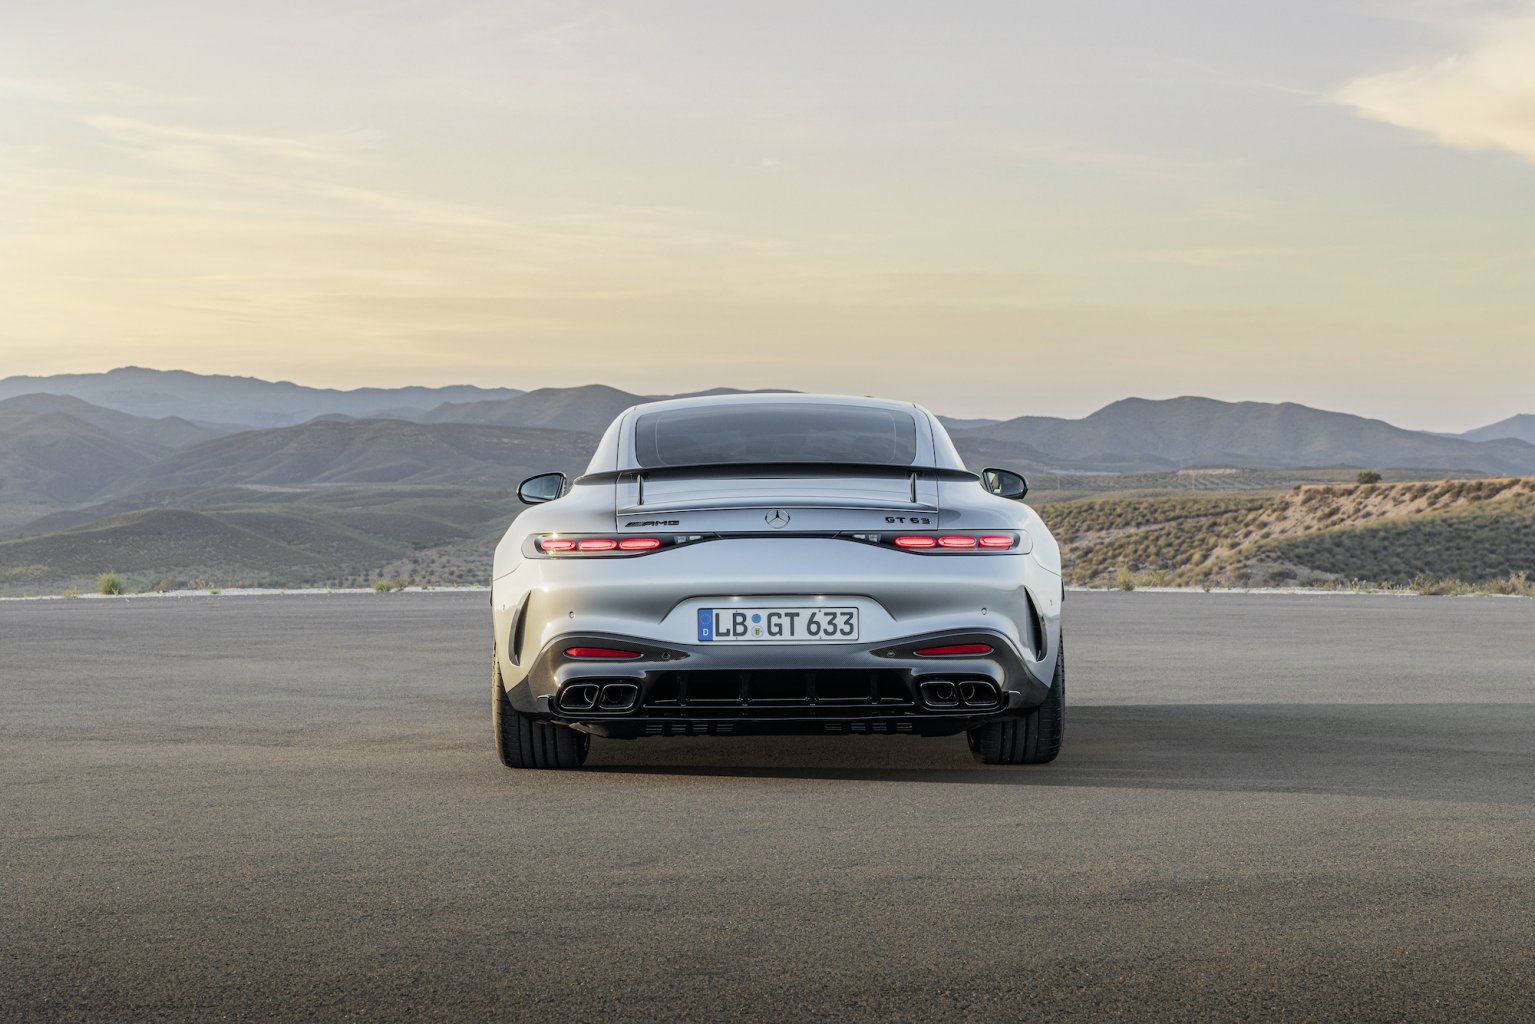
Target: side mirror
point(1004, 483)
point(536, 490)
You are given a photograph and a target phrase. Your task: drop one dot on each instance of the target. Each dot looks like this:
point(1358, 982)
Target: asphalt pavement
point(288, 808)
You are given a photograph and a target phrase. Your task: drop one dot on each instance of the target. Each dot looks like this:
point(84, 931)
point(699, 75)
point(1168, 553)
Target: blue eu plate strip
point(705, 624)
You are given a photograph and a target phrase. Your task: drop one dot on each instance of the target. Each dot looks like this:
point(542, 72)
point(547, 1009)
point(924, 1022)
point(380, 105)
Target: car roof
point(613, 453)
point(772, 398)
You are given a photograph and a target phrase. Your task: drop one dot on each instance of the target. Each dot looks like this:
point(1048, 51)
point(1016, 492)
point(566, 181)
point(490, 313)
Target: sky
point(993, 208)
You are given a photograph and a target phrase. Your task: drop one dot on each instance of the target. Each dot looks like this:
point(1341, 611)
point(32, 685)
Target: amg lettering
point(652, 522)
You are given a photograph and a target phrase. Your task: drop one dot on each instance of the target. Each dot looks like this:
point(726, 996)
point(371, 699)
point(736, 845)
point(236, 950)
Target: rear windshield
point(780, 432)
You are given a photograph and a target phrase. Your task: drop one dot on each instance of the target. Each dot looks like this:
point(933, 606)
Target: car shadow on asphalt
point(1465, 752)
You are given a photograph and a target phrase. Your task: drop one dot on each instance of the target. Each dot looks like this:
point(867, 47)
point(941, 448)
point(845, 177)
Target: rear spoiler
point(777, 469)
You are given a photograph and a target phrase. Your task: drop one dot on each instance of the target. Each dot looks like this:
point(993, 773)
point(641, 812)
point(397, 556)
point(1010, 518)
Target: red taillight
point(601, 652)
point(557, 545)
point(954, 651)
point(952, 542)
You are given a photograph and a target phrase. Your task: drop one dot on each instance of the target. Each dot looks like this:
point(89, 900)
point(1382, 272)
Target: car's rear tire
point(1033, 739)
point(522, 741)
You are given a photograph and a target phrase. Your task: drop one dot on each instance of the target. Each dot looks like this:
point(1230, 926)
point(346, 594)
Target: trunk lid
point(758, 502)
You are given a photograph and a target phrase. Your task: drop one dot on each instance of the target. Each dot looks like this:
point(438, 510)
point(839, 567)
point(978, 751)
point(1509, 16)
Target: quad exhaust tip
point(618, 696)
point(615, 696)
point(939, 693)
point(942, 694)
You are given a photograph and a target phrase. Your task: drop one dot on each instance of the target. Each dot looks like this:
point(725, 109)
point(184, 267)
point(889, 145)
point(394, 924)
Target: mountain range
point(97, 463)
point(237, 401)
point(1136, 435)
point(62, 448)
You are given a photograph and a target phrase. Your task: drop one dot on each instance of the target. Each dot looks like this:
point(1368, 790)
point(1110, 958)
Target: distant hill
point(1398, 533)
point(56, 458)
point(239, 401)
point(56, 450)
point(299, 543)
point(1138, 434)
point(335, 534)
point(369, 451)
point(163, 434)
point(588, 409)
point(1521, 427)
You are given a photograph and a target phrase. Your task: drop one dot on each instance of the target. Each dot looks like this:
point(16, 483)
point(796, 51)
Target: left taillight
point(580, 546)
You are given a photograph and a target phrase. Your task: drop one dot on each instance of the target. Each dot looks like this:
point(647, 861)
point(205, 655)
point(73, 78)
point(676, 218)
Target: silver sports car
point(777, 564)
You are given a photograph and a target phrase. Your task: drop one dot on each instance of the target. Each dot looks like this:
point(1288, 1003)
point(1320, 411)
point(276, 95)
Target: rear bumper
point(657, 597)
point(676, 689)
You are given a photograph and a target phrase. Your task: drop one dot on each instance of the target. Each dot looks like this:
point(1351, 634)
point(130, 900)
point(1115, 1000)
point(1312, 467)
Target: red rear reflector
point(954, 650)
point(915, 542)
point(604, 652)
point(996, 542)
point(956, 542)
point(639, 544)
point(597, 544)
point(557, 544)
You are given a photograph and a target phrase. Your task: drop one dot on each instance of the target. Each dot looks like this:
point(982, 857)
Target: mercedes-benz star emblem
point(777, 519)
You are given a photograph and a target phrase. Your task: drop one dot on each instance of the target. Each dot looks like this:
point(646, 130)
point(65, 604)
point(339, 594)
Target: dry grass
point(1476, 533)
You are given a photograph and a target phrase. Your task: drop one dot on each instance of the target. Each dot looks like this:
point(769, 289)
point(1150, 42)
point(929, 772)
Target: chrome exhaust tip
point(978, 693)
point(579, 697)
point(939, 693)
point(618, 696)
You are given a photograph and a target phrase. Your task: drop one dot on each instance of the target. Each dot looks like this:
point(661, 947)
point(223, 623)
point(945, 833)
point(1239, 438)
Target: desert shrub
point(110, 583)
point(1369, 476)
point(1515, 583)
point(380, 586)
point(1124, 579)
point(399, 583)
point(1441, 586)
point(1281, 574)
point(71, 592)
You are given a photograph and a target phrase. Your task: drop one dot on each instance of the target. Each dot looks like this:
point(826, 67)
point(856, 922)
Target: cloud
point(161, 137)
point(1480, 98)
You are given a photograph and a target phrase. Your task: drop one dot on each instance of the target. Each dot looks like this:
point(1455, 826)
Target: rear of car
point(776, 564)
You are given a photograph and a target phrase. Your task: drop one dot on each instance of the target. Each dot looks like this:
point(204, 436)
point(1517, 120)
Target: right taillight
point(945, 543)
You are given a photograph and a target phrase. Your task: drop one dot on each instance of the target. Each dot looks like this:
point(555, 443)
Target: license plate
point(785, 625)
